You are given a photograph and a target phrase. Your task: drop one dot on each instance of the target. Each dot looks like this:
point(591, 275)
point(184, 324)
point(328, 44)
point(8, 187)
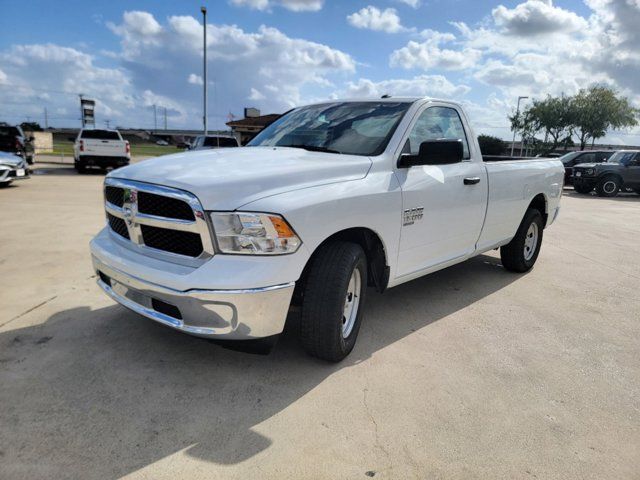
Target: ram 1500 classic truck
point(100, 148)
point(330, 199)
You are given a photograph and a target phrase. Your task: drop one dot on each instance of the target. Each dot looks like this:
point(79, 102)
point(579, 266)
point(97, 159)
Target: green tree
point(599, 109)
point(491, 145)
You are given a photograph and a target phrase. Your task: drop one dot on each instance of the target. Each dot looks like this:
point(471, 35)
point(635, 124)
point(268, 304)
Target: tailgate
point(104, 148)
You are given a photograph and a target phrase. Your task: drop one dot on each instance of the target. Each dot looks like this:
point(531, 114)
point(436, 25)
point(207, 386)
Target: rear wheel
point(80, 167)
point(521, 253)
point(609, 186)
point(582, 188)
point(333, 300)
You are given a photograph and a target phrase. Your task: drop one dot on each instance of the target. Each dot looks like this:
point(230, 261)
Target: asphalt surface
point(471, 372)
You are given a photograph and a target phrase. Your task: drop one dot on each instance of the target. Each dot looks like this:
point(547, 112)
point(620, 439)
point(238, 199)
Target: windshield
point(219, 142)
point(9, 132)
point(356, 128)
point(100, 134)
point(621, 157)
point(568, 157)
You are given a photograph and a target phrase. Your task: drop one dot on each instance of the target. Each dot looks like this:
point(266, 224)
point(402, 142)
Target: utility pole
point(513, 143)
point(107, 123)
point(81, 111)
point(155, 118)
point(46, 118)
point(165, 118)
point(204, 66)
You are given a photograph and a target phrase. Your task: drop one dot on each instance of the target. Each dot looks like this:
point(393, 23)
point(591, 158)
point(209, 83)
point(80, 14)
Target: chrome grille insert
point(161, 222)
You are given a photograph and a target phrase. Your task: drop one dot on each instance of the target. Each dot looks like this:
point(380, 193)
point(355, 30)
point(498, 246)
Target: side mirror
point(434, 152)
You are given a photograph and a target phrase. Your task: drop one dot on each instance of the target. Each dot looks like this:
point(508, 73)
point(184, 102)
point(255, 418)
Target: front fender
point(316, 213)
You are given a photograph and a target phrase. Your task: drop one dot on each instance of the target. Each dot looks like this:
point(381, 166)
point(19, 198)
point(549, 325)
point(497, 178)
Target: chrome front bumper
point(222, 314)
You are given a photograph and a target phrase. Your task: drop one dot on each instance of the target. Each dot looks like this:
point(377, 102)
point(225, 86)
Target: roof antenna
point(386, 95)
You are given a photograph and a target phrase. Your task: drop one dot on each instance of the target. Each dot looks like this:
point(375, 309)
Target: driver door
point(443, 205)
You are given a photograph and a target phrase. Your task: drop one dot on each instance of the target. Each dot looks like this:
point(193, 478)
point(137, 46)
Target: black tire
point(513, 255)
point(609, 186)
point(29, 160)
point(582, 188)
point(637, 190)
point(80, 168)
point(324, 296)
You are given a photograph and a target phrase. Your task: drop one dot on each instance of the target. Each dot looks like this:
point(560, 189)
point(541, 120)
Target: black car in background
point(621, 171)
point(572, 159)
point(13, 140)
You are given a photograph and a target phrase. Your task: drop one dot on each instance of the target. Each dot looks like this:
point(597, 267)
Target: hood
point(11, 160)
point(226, 179)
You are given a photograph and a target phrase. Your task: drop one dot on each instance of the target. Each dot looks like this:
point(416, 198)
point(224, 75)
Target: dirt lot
point(468, 373)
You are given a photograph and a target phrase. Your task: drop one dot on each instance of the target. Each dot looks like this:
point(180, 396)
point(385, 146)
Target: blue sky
point(275, 54)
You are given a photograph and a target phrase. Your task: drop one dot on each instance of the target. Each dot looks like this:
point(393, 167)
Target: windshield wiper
point(311, 148)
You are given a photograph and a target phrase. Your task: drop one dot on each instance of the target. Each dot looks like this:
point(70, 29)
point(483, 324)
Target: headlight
point(589, 171)
point(254, 233)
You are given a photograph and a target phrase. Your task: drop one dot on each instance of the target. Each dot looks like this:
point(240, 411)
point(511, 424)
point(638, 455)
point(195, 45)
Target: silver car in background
point(12, 167)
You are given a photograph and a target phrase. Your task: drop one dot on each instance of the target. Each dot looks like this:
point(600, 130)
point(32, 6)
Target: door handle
point(471, 180)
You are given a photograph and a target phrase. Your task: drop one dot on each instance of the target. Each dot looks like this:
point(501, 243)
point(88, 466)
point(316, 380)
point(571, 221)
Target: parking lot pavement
point(471, 372)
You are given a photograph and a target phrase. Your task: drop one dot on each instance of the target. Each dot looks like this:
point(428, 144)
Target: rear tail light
point(127, 147)
point(81, 146)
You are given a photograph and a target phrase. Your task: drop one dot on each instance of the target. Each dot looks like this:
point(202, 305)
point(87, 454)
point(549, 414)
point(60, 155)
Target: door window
point(437, 123)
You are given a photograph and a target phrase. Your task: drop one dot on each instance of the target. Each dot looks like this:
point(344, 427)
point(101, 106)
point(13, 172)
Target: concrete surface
point(472, 372)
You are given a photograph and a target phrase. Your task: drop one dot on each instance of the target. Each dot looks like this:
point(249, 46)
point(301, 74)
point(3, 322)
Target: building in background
point(252, 124)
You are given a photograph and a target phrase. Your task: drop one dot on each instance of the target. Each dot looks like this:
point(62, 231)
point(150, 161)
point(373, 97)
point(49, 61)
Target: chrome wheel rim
point(609, 187)
point(351, 303)
point(531, 241)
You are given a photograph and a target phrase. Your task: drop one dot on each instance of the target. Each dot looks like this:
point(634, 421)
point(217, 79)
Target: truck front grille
point(160, 206)
point(174, 241)
point(159, 221)
point(114, 195)
point(118, 226)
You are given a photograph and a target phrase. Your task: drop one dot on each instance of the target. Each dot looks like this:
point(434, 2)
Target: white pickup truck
point(100, 148)
point(330, 199)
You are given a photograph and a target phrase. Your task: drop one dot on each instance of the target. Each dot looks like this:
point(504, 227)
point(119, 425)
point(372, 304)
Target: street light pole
point(204, 65)
point(513, 143)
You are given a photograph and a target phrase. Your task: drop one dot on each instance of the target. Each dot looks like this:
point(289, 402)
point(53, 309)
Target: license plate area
point(578, 174)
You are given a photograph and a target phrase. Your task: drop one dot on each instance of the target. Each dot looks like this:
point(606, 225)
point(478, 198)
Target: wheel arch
point(374, 248)
point(604, 175)
point(540, 203)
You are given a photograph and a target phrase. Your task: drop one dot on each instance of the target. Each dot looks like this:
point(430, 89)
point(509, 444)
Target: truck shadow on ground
point(108, 392)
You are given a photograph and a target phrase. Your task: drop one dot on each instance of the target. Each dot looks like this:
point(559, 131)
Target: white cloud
point(3, 77)
point(293, 5)
point(373, 18)
point(428, 54)
point(195, 79)
point(238, 61)
point(421, 85)
point(536, 17)
point(256, 94)
point(411, 3)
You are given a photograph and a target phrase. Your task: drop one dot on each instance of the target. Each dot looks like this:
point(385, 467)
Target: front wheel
point(521, 253)
point(333, 298)
point(608, 186)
